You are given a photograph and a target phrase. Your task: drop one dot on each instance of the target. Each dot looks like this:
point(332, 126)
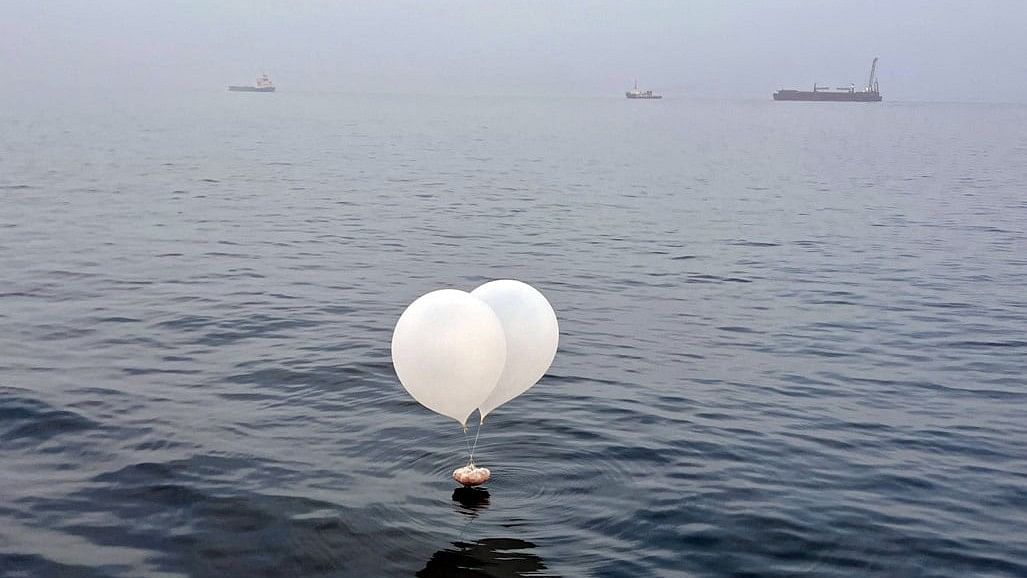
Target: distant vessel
point(635, 93)
point(870, 92)
point(263, 85)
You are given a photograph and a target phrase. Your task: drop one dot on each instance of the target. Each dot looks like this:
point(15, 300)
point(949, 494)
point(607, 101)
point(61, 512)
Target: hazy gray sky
point(930, 50)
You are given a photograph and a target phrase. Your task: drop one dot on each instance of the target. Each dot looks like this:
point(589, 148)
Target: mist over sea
point(793, 336)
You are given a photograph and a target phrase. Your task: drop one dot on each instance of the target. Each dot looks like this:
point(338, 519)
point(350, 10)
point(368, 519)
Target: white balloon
point(532, 334)
point(449, 350)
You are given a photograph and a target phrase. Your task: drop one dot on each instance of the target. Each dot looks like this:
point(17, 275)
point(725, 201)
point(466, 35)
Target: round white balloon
point(532, 334)
point(449, 350)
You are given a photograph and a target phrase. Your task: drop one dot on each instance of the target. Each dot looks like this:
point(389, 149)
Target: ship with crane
point(870, 93)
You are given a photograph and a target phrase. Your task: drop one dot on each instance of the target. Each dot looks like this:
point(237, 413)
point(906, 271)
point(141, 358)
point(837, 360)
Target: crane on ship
point(872, 80)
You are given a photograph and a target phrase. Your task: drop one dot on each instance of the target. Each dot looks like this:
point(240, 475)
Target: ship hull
point(823, 96)
point(251, 89)
point(651, 97)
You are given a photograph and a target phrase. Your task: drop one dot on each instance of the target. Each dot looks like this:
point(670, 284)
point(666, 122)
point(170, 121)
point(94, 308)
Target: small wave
point(747, 243)
point(28, 421)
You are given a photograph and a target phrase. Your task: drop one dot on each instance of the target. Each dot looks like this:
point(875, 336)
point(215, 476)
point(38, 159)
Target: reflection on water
point(471, 500)
point(498, 557)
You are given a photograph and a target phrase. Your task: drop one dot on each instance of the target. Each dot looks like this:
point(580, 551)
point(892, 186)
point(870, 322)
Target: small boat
point(635, 93)
point(263, 85)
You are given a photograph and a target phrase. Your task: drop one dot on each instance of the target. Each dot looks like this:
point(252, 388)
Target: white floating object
point(449, 350)
point(471, 475)
point(532, 335)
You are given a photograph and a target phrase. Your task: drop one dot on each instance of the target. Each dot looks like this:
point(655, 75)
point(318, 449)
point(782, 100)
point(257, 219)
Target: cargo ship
point(870, 93)
point(635, 93)
point(263, 85)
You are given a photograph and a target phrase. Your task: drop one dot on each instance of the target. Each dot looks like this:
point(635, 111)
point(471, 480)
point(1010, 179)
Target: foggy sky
point(930, 50)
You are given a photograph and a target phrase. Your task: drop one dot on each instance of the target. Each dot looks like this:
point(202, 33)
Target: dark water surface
point(793, 337)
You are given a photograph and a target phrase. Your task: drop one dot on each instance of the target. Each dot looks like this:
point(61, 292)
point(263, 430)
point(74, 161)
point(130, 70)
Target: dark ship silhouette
point(263, 85)
point(870, 92)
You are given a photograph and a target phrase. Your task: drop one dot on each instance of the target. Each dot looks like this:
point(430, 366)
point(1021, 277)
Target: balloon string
point(470, 454)
point(468, 445)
